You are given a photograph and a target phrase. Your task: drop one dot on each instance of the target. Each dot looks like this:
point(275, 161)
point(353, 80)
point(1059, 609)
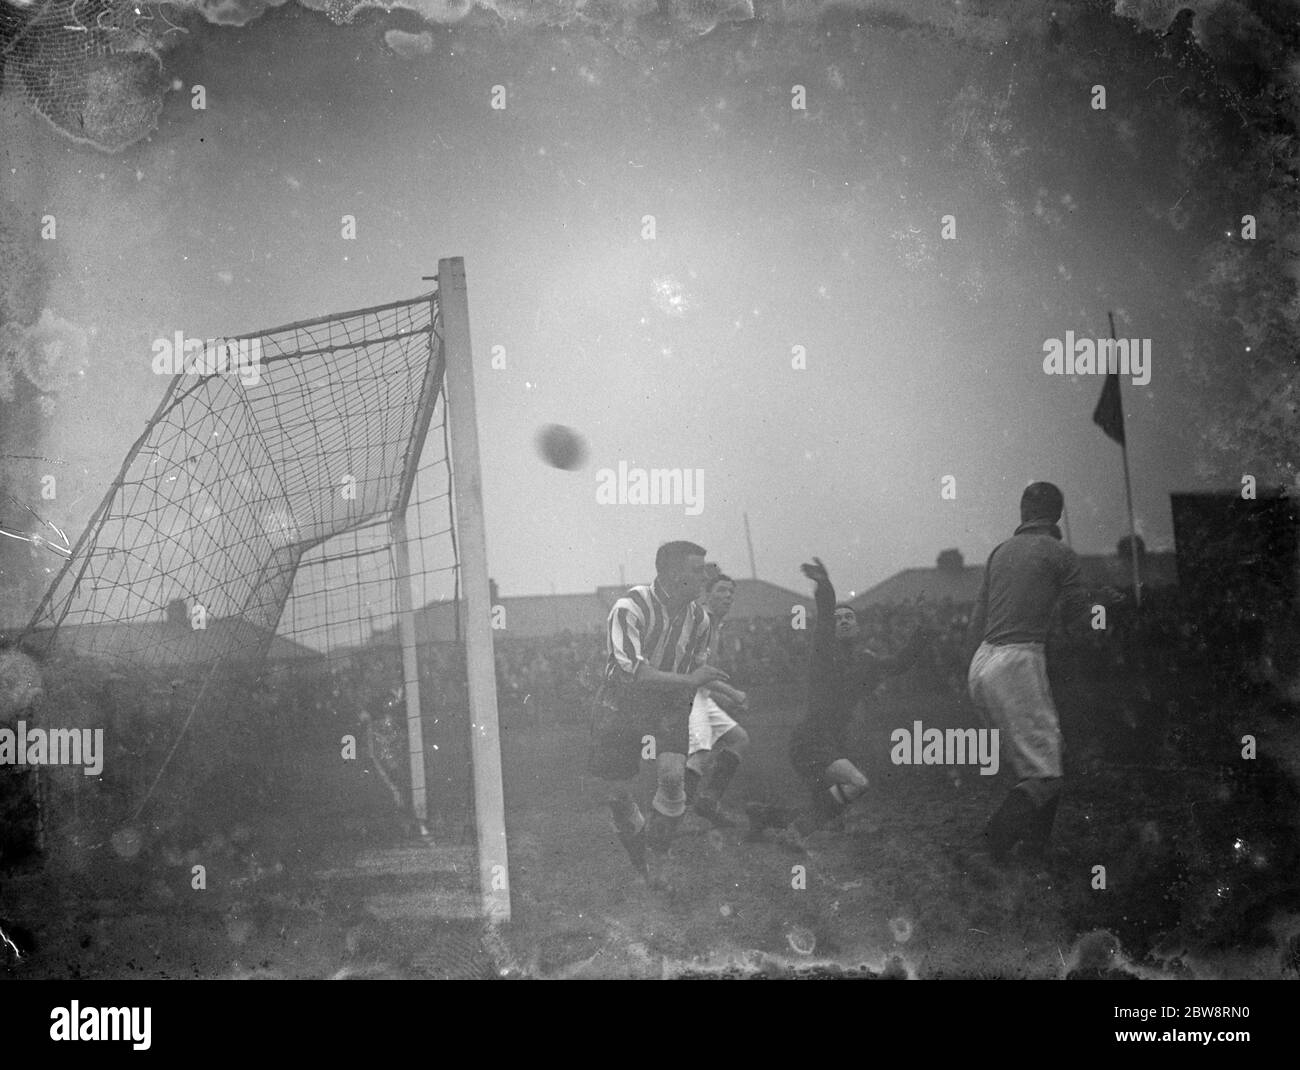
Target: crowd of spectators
point(552, 679)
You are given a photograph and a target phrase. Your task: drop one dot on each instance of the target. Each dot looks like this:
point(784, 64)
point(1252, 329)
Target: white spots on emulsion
point(670, 296)
point(901, 929)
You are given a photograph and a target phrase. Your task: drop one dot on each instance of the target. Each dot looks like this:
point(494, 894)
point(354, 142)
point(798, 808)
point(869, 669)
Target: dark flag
point(1109, 413)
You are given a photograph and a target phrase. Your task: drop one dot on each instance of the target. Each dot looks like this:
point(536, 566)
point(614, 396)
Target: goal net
point(257, 578)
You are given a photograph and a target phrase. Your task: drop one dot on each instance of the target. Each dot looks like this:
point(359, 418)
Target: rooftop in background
point(168, 644)
point(754, 598)
point(531, 616)
point(961, 583)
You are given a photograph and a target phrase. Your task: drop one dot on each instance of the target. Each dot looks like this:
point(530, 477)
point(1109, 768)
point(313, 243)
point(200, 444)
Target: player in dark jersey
point(1025, 580)
point(839, 677)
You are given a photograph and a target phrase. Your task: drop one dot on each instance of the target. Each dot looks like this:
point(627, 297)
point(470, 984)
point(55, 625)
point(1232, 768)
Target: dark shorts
point(619, 727)
point(811, 751)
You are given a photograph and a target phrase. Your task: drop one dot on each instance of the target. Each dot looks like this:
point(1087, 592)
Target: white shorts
point(709, 722)
point(1010, 683)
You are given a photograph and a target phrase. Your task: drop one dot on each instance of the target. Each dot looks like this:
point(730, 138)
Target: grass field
point(898, 890)
point(1199, 869)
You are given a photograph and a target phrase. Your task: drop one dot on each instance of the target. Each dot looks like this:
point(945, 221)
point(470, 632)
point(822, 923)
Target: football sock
point(693, 779)
point(659, 830)
point(1011, 824)
point(725, 764)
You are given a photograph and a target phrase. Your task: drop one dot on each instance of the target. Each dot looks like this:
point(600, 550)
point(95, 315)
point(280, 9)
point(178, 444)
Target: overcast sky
point(775, 228)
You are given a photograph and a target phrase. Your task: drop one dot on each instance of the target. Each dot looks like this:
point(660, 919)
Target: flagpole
point(753, 570)
point(1128, 485)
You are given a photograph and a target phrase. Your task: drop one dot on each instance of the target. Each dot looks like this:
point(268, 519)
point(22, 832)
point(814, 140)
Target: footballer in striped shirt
point(657, 643)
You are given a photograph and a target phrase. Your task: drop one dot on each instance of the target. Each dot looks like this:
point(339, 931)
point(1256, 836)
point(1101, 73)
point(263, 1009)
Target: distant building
point(755, 599)
point(532, 616)
point(525, 616)
point(955, 580)
point(172, 644)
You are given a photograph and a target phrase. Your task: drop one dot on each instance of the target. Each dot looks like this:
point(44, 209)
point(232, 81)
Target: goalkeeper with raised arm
point(839, 677)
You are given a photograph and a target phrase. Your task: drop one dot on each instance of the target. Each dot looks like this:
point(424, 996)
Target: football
point(561, 447)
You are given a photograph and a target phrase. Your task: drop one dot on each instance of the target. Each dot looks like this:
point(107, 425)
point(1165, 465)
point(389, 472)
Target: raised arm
point(824, 595)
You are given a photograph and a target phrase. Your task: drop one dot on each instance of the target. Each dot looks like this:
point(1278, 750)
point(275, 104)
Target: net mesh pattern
point(252, 517)
point(91, 67)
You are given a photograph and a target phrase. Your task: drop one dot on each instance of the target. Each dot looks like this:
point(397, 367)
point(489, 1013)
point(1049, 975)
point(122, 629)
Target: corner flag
point(1109, 413)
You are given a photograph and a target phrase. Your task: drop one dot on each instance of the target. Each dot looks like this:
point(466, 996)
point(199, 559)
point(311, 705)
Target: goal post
point(288, 525)
point(467, 490)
